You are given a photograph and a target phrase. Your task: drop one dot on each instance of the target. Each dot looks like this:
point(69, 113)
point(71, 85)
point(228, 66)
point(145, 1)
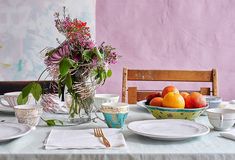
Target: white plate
point(11, 131)
point(6, 109)
point(142, 104)
point(168, 129)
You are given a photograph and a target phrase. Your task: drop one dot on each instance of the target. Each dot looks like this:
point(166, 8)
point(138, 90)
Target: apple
point(195, 100)
point(151, 96)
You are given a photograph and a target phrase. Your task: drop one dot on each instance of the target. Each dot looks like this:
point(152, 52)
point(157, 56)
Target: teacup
point(10, 99)
point(221, 118)
point(99, 99)
point(115, 114)
point(28, 114)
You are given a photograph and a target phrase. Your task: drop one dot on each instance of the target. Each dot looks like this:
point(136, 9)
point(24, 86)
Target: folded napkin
point(83, 139)
point(229, 134)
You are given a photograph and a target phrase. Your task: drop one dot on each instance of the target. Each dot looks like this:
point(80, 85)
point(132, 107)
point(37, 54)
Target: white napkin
point(229, 134)
point(83, 139)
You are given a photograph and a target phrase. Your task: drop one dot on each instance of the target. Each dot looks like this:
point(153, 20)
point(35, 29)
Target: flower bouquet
point(77, 64)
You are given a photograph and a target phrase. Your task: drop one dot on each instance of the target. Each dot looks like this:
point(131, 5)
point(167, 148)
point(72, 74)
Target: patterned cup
point(28, 114)
point(11, 99)
point(115, 114)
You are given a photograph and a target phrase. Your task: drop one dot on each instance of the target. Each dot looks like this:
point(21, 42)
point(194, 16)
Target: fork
point(99, 133)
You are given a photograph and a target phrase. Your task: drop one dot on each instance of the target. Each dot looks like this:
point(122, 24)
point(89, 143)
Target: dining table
point(31, 146)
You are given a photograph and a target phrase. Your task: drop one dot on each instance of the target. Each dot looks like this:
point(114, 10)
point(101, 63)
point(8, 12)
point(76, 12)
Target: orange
point(157, 101)
point(169, 89)
point(173, 100)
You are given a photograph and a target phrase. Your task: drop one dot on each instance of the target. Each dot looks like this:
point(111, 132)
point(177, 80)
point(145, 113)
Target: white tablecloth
point(211, 146)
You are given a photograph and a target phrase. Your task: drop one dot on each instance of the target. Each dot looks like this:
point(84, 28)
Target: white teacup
point(99, 99)
point(221, 118)
point(10, 99)
point(28, 114)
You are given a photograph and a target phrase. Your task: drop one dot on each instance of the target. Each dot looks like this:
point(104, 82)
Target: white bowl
point(221, 119)
point(99, 99)
point(213, 101)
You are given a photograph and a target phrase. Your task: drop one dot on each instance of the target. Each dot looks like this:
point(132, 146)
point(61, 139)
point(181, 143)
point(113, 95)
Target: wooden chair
point(135, 95)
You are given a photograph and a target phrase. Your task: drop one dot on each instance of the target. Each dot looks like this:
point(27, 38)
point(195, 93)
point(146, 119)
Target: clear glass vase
point(83, 109)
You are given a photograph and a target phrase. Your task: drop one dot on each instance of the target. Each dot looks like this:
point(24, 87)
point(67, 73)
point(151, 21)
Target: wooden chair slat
point(135, 95)
point(169, 75)
point(132, 95)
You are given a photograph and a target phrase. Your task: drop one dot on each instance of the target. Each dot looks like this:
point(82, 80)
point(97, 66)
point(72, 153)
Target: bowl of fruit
point(171, 104)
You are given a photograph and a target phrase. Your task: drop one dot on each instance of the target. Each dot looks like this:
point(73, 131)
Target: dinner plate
point(168, 129)
point(11, 131)
point(7, 109)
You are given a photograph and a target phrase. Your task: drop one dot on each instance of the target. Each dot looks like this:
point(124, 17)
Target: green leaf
point(86, 54)
point(64, 66)
point(109, 73)
point(36, 90)
point(103, 75)
point(61, 122)
point(98, 54)
point(51, 122)
point(68, 82)
point(21, 100)
point(26, 90)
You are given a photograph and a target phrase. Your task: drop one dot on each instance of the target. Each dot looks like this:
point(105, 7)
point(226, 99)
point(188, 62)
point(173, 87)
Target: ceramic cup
point(221, 118)
point(28, 114)
point(99, 99)
point(10, 99)
point(115, 114)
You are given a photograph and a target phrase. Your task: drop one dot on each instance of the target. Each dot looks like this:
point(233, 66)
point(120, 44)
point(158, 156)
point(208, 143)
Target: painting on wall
point(27, 27)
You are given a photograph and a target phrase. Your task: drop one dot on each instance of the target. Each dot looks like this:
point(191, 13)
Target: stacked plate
point(11, 131)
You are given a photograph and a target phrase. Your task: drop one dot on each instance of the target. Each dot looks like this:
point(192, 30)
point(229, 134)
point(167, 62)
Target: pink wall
point(170, 34)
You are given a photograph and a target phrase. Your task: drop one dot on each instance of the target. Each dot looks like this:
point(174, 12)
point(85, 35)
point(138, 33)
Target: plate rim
point(6, 109)
point(162, 137)
point(27, 130)
point(139, 103)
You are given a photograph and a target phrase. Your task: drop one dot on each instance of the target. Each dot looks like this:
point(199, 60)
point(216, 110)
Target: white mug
point(221, 118)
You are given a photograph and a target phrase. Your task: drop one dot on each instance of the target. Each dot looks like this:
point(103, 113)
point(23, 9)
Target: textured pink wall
point(170, 34)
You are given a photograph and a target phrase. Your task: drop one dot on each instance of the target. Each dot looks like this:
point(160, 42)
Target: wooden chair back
point(135, 95)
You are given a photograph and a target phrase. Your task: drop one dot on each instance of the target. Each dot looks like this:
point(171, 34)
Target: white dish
point(168, 129)
point(6, 109)
point(142, 104)
point(11, 131)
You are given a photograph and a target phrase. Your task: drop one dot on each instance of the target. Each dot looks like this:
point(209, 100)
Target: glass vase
point(83, 110)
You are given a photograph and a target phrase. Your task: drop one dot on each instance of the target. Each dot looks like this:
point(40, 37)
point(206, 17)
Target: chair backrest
point(11, 86)
point(135, 95)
